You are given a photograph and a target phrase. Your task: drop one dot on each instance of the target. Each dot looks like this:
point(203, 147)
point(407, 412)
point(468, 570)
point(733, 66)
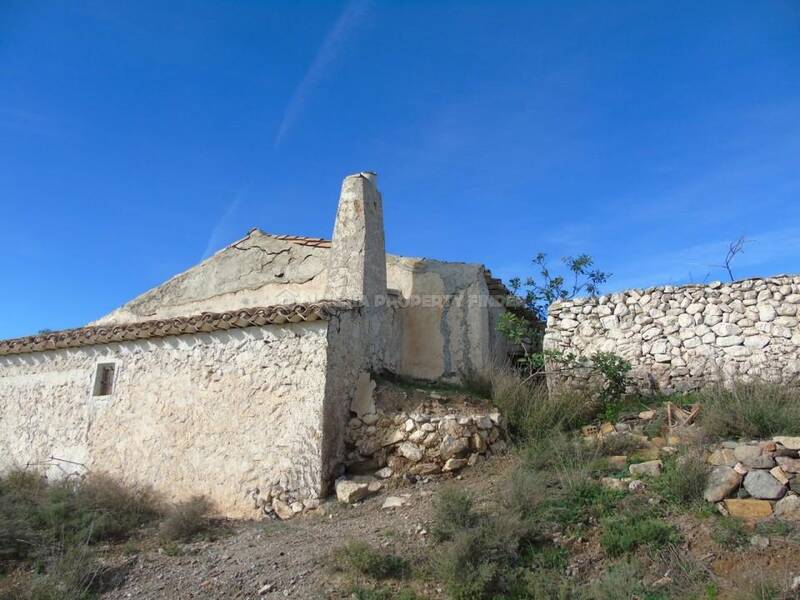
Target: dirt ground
point(272, 559)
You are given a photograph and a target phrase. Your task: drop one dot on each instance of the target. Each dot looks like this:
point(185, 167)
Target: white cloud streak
point(334, 41)
point(220, 233)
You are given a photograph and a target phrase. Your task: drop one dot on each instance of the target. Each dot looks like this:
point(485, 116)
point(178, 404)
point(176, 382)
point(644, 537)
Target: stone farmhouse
point(238, 375)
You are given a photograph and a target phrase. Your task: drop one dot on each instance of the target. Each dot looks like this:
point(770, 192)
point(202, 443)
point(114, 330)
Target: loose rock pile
point(756, 480)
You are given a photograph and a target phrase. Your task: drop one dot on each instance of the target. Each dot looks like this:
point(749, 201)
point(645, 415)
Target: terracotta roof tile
point(202, 323)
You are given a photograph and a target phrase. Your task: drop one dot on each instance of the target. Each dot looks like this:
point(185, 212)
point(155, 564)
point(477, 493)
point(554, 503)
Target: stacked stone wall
point(423, 444)
point(683, 337)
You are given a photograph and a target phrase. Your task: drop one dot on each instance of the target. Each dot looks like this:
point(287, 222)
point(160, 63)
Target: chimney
point(357, 267)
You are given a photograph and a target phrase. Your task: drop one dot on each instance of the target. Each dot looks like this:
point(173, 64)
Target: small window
point(104, 380)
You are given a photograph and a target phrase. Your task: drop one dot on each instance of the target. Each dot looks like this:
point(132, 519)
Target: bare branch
point(734, 248)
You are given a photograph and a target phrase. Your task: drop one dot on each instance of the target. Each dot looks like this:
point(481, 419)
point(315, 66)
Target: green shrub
point(363, 559)
point(751, 410)
point(683, 478)
point(186, 519)
point(583, 503)
point(625, 533)
point(546, 585)
point(73, 573)
point(453, 513)
point(525, 491)
point(481, 562)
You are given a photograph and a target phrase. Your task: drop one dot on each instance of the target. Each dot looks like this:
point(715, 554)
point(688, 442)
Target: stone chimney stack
point(357, 268)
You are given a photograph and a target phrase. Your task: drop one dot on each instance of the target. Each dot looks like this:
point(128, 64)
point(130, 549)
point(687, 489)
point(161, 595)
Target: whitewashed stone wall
point(218, 414)
point(681, 337)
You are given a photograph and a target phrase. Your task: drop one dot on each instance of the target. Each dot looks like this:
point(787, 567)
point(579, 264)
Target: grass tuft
point(453, 514)
point(186, 519)
point(683, 479)
point(532, 412)
point(361, 558)
point(751, 410)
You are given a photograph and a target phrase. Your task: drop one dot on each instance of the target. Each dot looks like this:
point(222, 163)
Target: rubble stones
point(792, 443)
point(393, 502)
point(420, 443)
point(651, 468)
point(749, 510)
point(761, 485)
point(722, 457)
point(788, 508)
point(351, 491)
point(722, 482)
point(410, 451)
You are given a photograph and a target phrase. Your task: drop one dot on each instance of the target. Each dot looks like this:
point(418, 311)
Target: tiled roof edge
point(202, 323)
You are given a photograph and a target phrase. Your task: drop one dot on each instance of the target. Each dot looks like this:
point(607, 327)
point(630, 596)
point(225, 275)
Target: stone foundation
point(419, 432)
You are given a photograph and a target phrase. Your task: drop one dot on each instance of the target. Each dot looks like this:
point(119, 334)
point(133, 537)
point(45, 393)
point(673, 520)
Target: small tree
point(540, 293)
point(538, 296)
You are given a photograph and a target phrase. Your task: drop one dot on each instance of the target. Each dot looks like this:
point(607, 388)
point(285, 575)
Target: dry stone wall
point(682, 337)
point(422, 444)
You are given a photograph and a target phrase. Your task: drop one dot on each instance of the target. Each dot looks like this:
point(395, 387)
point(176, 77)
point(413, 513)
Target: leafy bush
point(480, 562)
point(751, 410)
point(186, 519)
point(363, 559)
point(623, 580)
point(72, 573)
point(540, 294)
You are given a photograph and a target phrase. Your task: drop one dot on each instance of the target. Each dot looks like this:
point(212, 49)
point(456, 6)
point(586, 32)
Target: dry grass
point(751, 410)
point(532, 412)
point(359, 558)
point(186, 520)
point(55, 525)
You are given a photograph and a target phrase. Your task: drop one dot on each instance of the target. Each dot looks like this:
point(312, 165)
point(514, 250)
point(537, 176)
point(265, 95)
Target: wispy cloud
point(221, 233)
point(334, 41)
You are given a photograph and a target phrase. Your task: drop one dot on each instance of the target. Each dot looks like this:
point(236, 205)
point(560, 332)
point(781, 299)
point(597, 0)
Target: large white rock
point(351, 491)
point(726, 329)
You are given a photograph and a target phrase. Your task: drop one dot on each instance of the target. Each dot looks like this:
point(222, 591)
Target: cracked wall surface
point(444, 326)
point(683, 337)
point(258, 270)
point(216, 414)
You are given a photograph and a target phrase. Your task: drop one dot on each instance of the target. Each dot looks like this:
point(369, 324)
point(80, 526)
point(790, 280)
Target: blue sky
point(138, 137)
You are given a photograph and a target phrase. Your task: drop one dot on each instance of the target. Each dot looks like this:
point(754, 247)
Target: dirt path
point(273, 559)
